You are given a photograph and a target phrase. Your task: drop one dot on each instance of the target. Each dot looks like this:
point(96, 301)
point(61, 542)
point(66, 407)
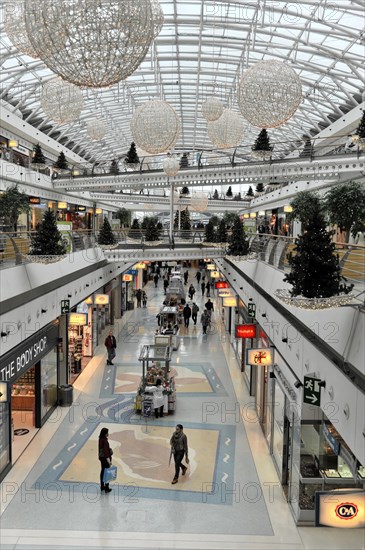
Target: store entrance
point(23, 412)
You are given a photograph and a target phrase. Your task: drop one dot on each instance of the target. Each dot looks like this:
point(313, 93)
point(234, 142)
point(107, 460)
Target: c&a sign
point(343, 509)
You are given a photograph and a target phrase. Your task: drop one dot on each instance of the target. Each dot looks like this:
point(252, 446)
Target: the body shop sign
point(16, 362)
point(342, 509)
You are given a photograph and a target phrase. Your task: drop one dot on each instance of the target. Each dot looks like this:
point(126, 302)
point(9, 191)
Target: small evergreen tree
point(135, 224)
point(229, 193)
point(262, 142)
point(307, 149)
point(260, 188)
point(132, 157)
point(13, 203)
point(38, 160)
point(209, 232)
point(315, 270)
point(185, 191)
point(48, 240)
point(61, 162)
point(250, 192)
point(185, 222)
point(215, 195)
point(360, 132)
point(184, 161)
point(114, 168)
point(151, 228)
point(222, 232)
point(106, 235)
point(238, 243)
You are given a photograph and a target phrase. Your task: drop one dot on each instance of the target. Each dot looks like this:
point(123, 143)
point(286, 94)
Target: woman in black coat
point(105, 457)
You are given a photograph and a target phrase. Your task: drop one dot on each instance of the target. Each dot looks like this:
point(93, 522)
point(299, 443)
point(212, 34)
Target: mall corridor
point(230, 497)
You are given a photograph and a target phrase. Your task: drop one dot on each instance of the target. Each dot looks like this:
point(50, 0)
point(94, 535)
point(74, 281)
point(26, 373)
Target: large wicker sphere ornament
point(61, 101)
point(155, 126)
point(158, 17)
point(15, 27)
point(269, 93)
point(96, 129)
point(199, 202)
point(91, 43)
point(171, 166)
point(227, 131)
point(212, 109)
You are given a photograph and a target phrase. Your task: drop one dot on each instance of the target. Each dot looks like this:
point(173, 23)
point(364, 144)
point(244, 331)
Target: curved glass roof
point(202, 50)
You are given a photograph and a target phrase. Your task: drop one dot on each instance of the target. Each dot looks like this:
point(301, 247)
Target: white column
point(171, 210)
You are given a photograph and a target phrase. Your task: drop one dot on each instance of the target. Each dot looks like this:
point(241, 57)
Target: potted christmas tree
point(135, 230)
point(238, 243)
point(38, 160)
point(250, 194)
point(229, 193)
point(132, 159)
point(184, 191)
point(315, 272)
point(152, 230)
point(61, 165)
point(114, 168)
point(47, 246)
point(260, 188)
point(209, 232)
point(215, 195)
point(106, 236)
point(184, 161)
point(262, 149)
point(359, 136)
point(222, 236)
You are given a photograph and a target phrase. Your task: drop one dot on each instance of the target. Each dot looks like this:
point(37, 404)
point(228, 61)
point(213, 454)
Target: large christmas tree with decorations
point(238, 243)
point(315, 270)
point(47, 240)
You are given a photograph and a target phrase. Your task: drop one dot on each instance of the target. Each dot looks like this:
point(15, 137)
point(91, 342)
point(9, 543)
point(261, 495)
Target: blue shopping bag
point(110, 474)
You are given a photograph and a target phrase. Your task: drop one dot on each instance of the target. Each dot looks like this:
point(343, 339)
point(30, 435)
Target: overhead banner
point(259, 356)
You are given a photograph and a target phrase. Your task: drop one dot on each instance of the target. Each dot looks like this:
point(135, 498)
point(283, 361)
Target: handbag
point(110, 474)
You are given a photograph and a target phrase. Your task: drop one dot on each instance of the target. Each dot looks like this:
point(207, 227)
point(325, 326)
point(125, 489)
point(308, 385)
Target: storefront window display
point(278, 426)
point(48, 382)
point(80, 340)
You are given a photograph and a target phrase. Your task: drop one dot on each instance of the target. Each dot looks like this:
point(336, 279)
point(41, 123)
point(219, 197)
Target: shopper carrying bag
point(105, 457)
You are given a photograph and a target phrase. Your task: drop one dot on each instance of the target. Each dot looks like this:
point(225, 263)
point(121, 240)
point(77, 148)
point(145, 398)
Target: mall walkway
point(230, 498)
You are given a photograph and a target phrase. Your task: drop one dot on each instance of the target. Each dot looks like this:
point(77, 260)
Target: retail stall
point(155, 361)
point(170, 318)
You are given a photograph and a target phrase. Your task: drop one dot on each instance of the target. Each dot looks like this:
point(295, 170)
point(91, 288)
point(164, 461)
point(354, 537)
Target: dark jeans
point(186, 321)
point(178, 457)
point(159, 411)
point(104, 464)
point(111, 354)
point(194, 317)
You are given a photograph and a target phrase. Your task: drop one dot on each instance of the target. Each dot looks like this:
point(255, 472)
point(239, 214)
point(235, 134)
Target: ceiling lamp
point(158, 17)
point(171, 166)
point(15, 27)
point(96, 129)
point(88, 42)
point(199, 202)
point(227, 131)
point(212, 109)
point(155, 126)
point(269, 93)
point(61, 101)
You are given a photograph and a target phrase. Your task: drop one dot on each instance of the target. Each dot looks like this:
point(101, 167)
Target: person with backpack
point(194, 312)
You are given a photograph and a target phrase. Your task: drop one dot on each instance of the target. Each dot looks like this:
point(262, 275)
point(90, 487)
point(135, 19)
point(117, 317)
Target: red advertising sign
point(221, 284)
point(245, 331)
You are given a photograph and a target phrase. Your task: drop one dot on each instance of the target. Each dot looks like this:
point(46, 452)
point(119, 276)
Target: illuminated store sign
point(101, 299)
point(344, 509)
point(34, 200)
point(221, 284)
point(77, 319)
point(127, 278)
point(259, 356)
point(245, 331)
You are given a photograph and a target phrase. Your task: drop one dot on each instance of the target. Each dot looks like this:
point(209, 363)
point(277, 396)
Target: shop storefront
point(31, 372)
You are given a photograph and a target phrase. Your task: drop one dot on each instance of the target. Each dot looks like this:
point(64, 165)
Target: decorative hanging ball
point(227, 131)
point(212, 109)
point(269, 93)
point(171, 166)
point(155, 126)
point(199, 202)
point(61, 101)
point(96, 129)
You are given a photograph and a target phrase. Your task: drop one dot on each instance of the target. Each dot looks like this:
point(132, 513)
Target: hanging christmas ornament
point(61, 101)
point(212, 109)
point(155, 126)
point(227, 131)
point(171, 166)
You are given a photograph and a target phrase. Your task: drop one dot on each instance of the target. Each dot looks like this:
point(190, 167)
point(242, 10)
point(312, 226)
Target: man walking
point(186, 315)
point(205, 320)
point(179, 448)
point(110, 344)
point(198, 276)
point(139, 297)
point(155, 279)
point(194, 313)
point(165, 284)
point(209, 307)
point(202, 286)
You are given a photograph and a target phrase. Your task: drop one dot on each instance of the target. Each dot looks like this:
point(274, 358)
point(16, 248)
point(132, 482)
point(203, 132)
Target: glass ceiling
point(203, 50)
